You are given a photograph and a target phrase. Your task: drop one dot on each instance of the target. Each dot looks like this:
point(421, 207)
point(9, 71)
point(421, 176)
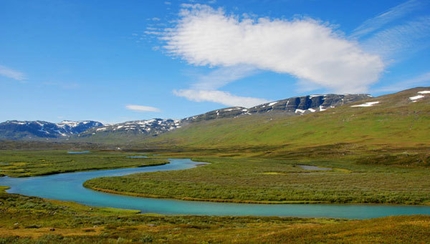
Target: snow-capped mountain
point(14, 129)
point(151, 127)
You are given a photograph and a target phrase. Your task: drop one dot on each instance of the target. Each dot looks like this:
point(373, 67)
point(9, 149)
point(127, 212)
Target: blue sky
point(116, 61)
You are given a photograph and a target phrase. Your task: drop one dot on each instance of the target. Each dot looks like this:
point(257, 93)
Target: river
point(68, 187)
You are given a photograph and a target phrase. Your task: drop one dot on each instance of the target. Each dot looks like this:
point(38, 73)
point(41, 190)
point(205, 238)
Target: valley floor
point(392, 177)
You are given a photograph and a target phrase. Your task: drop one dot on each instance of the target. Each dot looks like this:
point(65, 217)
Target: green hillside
point(395, 121)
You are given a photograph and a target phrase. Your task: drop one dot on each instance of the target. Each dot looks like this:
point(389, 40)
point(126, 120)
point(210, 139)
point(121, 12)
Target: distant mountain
point(151, 127)
point(18, 130)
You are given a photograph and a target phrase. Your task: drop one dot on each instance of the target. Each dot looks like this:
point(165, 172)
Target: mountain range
point(33, 130)
point(93, 130)
point(18, 130)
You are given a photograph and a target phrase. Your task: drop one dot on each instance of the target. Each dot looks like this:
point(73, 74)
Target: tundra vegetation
point(24, 163)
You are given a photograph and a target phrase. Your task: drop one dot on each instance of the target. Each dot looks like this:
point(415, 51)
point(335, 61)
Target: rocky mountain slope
point(290, 106)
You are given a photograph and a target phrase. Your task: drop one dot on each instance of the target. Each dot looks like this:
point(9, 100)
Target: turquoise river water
point(68, 187)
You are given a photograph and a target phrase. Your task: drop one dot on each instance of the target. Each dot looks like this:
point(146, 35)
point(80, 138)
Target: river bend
point(69, 187)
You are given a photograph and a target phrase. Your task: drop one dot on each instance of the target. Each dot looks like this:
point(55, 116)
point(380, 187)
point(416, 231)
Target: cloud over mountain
point(221, 97)
point(140, 108)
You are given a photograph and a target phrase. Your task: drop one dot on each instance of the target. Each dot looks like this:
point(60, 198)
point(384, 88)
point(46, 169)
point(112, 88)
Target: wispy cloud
point(420, 80)
point(397, 33)
point(223, 76)
point(402, 40)
point(140, 108)
point(206, 88)
point(221, 97)
point(385, 18)
point(11, 73)
point(304, 48)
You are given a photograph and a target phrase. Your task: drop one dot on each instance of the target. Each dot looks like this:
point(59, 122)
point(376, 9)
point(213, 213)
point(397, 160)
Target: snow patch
point(424, 92)
point(271, 104)
point(368, 104)
point(300, 111)
point(416, 97)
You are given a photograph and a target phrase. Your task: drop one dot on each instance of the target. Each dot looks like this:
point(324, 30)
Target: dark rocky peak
point(311, 103)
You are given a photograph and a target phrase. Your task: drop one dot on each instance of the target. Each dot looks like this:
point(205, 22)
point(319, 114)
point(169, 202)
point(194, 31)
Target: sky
point(114, 61)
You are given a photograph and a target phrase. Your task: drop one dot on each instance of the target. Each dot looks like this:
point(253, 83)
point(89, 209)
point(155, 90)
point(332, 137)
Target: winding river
point(68, 187)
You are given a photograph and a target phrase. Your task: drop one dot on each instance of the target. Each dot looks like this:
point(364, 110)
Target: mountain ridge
point(290, 106)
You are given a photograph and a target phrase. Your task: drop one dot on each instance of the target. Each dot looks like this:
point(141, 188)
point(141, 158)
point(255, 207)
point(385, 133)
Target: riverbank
point(35, 220)
point(200, 199)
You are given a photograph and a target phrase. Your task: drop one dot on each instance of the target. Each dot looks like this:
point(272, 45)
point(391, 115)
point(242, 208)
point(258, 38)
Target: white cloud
point(304, 48)
point(140, 108)
point(221, 97)
point(10, 73)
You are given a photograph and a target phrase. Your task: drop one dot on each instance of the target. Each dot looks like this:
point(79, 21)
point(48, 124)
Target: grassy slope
point(394, 122)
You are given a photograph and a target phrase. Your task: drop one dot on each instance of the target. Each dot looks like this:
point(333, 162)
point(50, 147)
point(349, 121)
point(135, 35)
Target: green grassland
point(24, 163)
point(34, 220)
